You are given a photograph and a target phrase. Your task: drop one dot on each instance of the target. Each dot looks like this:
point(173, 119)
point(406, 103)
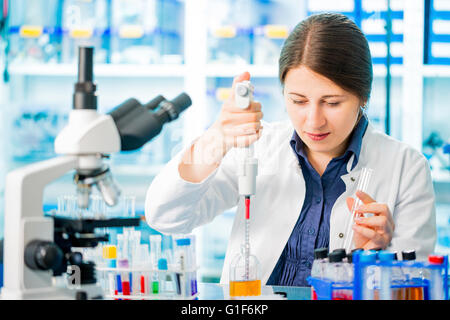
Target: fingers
point(244, 140)
point(364, 197)
point(379, 209)
point(230, 106)
point(350, 202)
point(241, 118)
point(243, 129)
point(380, 239)
point(376, 222)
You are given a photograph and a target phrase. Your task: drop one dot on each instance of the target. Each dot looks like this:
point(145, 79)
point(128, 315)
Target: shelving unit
point(100, 70)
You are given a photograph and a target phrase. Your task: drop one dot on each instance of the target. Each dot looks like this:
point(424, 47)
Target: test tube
point(142, 260)
point(398, 279)
point(112, 284)
point(385, 257)
point(336, 272)
point(413, 276)
point(436, 283)
point(185, 264)
point(317, 270)
point(192, 264)
point(363, 184)
point(162, 265)
point(368, 276)
point(129, 206)
point(124, 277)
point(155, 255)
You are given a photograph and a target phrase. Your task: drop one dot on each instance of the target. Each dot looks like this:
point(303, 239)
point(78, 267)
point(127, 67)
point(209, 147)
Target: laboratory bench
point(216, 291)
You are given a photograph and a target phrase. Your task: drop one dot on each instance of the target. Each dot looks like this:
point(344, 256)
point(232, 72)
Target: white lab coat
point(401, 179)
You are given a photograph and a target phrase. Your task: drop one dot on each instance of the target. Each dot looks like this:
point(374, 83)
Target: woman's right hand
point(237, 127)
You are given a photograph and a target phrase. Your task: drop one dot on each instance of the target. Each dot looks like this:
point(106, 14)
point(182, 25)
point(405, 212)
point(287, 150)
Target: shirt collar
point(353, 147)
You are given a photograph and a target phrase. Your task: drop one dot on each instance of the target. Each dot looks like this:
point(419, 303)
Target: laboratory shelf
point(178, 71)
point(100, 70)
point(436, 71)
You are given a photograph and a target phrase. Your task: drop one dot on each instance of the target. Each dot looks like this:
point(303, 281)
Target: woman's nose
point(315, 117)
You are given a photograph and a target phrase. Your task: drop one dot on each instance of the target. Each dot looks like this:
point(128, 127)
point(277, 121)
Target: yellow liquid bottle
point(244, 275)
point(245, 288)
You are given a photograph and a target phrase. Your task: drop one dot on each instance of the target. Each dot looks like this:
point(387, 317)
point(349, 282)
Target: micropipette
point(363, 184)
point(248, 168)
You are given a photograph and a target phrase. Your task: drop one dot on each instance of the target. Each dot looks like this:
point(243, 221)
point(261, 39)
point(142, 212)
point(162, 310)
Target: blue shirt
point(312, 229)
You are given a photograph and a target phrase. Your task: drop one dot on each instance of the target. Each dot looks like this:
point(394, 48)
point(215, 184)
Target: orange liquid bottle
point(245, 288)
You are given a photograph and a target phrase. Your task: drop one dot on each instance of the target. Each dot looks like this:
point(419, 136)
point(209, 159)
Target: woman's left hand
point(375, 231)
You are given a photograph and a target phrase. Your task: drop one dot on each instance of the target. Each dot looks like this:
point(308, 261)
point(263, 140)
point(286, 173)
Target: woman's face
point(322, 113)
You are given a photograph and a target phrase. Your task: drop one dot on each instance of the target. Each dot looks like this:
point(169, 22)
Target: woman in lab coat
point(308, 166)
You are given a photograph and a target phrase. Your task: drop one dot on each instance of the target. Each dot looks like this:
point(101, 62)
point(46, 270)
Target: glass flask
point(245, 275)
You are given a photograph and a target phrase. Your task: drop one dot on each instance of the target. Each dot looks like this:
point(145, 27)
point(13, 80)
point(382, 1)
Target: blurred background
point(148, 47)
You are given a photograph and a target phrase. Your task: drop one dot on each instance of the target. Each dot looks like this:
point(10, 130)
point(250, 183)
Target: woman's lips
point(317, 137)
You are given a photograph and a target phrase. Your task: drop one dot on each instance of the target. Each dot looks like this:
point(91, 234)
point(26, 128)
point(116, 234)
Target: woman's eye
point(299, 102)
point(333, 104)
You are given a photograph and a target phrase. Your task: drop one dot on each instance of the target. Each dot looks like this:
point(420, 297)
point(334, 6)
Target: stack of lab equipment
point(34, 31)
point(133, 270)
point(378, 275)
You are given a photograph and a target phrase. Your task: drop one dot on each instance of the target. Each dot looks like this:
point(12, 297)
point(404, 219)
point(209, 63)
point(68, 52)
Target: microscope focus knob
point(43, 255)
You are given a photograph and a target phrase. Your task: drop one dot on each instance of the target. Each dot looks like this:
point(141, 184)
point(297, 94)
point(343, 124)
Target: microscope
point(38, 248)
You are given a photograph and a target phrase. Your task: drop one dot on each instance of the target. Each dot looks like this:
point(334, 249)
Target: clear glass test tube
point(363, 183)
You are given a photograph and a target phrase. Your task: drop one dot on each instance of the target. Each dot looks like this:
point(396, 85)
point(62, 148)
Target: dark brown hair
point(333, 46)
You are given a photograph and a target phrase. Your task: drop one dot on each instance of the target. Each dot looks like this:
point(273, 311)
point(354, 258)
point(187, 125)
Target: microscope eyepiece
point(182, 102)
point(138, 124)
point(84, 96)
point(85, 64)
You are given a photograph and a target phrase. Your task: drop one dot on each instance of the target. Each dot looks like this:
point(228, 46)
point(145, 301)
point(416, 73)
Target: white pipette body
point(248, 168)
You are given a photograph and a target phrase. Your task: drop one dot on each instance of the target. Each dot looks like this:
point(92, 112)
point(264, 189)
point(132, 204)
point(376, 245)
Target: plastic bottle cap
point(409, 255)
point(341, 252)
point(162, 264)
point(109, 252)
point(350, 255)
point(320, 253)
point(386, 256)
point(335, 257)
point(435, 259)
point(368, 256)
point(183, 242)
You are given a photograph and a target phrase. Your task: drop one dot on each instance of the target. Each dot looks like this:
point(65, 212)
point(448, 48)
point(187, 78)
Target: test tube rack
point(325, 289)
point(183, 286)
